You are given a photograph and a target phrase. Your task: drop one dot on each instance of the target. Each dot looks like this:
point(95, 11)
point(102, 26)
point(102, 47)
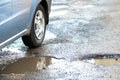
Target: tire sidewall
point(37, 42)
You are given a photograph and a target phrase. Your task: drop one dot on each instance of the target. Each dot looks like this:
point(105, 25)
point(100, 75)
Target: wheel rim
point(39, 24)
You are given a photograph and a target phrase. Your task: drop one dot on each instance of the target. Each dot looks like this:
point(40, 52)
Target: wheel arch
point(45, 6)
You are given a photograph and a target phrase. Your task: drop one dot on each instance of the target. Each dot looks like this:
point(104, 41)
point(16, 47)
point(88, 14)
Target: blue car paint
point(16, 18)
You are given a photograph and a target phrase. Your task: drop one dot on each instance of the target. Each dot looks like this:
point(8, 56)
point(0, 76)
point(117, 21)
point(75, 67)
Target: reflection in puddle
point(105, 62)
point(27, 65)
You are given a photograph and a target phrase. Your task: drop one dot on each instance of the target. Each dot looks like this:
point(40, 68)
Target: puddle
point(104, 62)
point(27, 65)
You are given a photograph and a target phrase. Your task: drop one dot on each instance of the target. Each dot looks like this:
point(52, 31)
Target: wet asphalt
point(82, 42)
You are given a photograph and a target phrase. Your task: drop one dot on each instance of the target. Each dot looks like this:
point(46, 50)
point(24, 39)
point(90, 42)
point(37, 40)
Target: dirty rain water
point(27, 65)
point(38, 63)
point(104, 62)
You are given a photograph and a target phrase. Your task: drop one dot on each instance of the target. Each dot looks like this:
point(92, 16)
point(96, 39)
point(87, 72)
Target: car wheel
point(37, 30)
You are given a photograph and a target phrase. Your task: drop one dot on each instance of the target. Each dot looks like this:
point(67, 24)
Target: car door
point(21, 11)
point(14, 16)
point(5, 16)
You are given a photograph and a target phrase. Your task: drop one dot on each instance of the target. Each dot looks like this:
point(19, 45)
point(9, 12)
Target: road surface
point(82, 42)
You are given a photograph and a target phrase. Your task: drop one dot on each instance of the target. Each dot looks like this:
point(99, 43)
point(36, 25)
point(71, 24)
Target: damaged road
point(82, 42)
point(47, 68)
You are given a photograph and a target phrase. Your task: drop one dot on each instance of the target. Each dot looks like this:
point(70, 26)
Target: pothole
point(104, 60)
point(28, 65)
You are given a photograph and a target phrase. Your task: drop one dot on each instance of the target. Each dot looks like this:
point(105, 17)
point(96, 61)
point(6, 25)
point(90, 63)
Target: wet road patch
point(27, 65)
point(49, 68)
point(104, 60)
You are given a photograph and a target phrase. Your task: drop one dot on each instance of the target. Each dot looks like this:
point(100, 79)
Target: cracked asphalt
point(82, 42)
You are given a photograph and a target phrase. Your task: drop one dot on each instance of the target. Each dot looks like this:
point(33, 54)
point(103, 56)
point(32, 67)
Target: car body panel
point(16, 18)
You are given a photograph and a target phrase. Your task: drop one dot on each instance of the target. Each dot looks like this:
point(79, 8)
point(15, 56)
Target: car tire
point(38, 29)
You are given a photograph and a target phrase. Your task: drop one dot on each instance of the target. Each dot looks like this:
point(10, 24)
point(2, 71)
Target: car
point(24, 18)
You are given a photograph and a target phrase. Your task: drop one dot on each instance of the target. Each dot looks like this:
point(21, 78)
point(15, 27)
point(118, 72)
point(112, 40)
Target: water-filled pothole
point(102, 59)
point(27, 65)
point(104, 62)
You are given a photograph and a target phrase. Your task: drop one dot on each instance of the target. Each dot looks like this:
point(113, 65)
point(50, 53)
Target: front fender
point(33, 6)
